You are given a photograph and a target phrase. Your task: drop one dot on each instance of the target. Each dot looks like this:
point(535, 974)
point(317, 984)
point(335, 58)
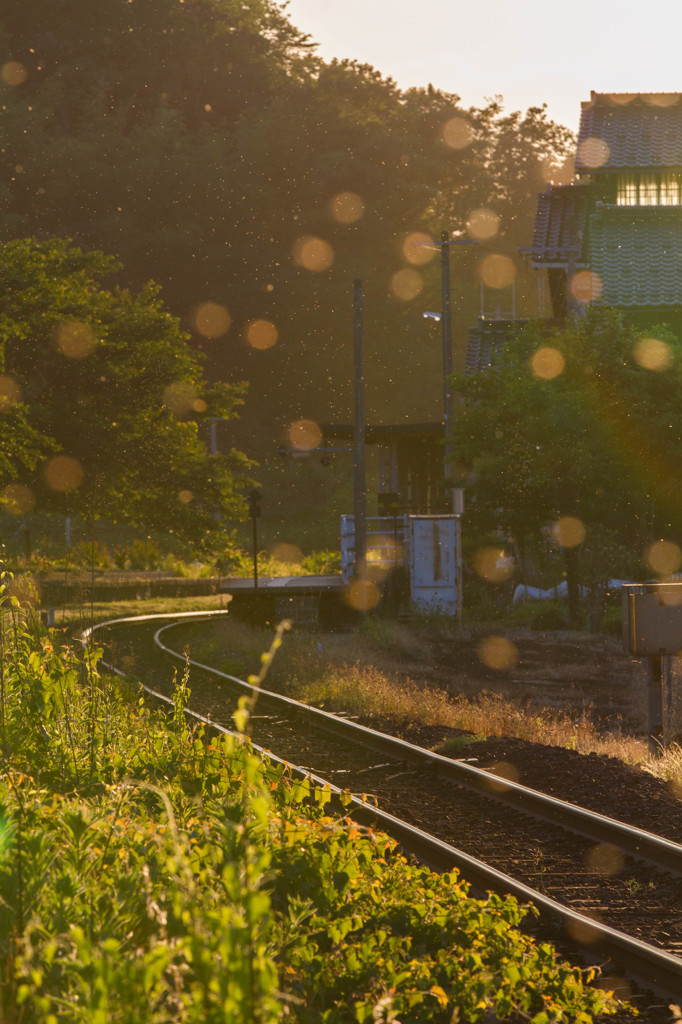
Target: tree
point(111, 395)
point(577, 421)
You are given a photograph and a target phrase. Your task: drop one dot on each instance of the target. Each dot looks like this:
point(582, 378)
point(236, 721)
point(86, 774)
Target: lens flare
point(568, 531)
point(458, 133)
point(180, 398)
point(313, 253)
point(17, 499)
point(586, 286)
point(493, 565)
point(497, 270)
point(211, 320)
point(593, 152)
point(652, 354)
point(75, 339)
point(498, 652)
point(664, 557)
point(261, 334)
point(346, 207)
point(288, 554)
point(64, 473)
point(305, 435)
point(407, 285)
point(483, 224)
point(13, 73)
point(604, 859)
point(547, 363)
point(362, 595)
point(9, 393)
point(418, 248)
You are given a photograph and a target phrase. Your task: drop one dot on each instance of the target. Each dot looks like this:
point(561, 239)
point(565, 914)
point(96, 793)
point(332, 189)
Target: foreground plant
point(147, 873)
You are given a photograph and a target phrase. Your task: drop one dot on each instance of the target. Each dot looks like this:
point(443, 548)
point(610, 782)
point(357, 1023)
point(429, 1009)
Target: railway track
point(609, 888)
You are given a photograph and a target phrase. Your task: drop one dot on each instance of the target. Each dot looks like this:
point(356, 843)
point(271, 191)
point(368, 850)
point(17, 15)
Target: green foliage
point(109, 378)
point(597, 441)
point(147, 872)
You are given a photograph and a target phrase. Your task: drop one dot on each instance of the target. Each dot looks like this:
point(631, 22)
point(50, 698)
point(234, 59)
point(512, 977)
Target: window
point(649, 190)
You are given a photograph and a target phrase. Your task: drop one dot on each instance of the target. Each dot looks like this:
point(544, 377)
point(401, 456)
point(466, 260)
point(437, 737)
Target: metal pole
point(654, 716)
point(359, 485)
point(255, 552)
point(447, 345)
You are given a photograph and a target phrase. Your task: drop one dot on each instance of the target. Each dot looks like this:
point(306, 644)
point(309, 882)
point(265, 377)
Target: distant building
point(615, 235)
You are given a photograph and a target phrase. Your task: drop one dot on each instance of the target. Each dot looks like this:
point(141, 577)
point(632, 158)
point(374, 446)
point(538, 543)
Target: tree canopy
point(577, 422)
point(205, 145)
point(102, 398)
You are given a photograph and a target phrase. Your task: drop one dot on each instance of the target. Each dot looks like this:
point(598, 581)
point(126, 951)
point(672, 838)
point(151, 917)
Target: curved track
point(656, 968)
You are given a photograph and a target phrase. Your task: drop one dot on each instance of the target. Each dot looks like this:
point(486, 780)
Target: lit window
point(648, 190)
point(627, 190)
point(670, 190)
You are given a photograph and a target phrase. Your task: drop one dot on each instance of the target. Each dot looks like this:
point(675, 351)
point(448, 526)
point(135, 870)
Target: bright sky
point(529, 51)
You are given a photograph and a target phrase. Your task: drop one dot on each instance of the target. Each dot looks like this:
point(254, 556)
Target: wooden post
point(654, 716)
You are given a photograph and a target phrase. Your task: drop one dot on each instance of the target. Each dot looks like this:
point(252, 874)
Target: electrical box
point(652, 618)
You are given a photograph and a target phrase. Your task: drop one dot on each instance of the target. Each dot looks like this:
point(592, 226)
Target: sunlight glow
point(653, 354)
point(313, 253)
point(9, 393)
point(593, 152)
point(13, 73)
point(17, 499)
point(483, 224)
point(407, 285)
point(664, 557)
point(458, 133)
point(568, 531)
point(346, 207)
point(497, 270)
point(418, 248)
point(289, 554)
point(64, 473)
point(305, 435)
point(212, 320)
point(586, 286)
point(498, 652)
point(75, 339)
point(362, 595)
point(493, 565)
point(261, 334)
point(547, 363)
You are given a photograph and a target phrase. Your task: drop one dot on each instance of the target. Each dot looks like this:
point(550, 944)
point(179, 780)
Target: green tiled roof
point(637, 255)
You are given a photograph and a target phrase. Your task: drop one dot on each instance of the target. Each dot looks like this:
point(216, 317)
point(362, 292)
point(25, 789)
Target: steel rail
point(636, 842)
point(651, 967)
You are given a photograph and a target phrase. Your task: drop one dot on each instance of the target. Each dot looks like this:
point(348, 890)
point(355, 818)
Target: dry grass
point(667, 766)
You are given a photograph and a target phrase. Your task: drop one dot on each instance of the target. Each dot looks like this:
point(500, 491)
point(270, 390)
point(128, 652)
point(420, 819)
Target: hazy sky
point(529, 51)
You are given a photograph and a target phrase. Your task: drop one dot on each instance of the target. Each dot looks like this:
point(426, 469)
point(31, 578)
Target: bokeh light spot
point(500, 774)
point(568, 531)
point(212, 320)
point(664, 557)
point(184, 497)
point(497, 270)
point(13, 73)
point(362, 595)
point(547, 363)
point(586, 286)
point(493, 565)
point(261, 334)
point(180, 397)
point(407, 285)
point(604, 859)
point(75, 339)
point(346, 207)
point(458, 133)
point(17, 499)
point(483, 224)
point(199, 405)
point(418, 248)
point(652, 354)
point(593, 152)
point(9, 393)
point(313, 253)
point(288, 554)
point(26, 589)
point(64, 473)
point(583, 931)
point(305, 435)
point(498, 652)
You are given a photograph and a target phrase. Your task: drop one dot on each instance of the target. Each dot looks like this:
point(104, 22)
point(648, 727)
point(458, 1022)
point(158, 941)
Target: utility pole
point(447, 344)
point(359, 483)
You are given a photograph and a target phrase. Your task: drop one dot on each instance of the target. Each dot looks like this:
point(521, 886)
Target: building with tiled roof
point(615, 235)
